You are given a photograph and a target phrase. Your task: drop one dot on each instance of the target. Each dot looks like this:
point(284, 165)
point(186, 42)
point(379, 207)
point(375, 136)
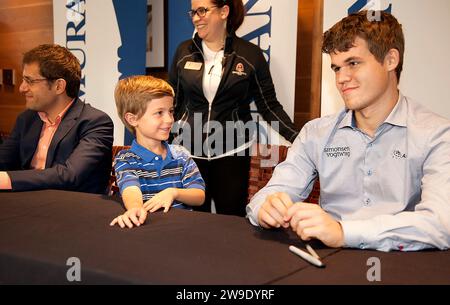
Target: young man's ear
point(392, 59)
point(131, 119)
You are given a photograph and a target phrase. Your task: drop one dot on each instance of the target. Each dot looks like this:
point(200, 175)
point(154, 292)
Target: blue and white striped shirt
point(152, 174)
point(389, 192)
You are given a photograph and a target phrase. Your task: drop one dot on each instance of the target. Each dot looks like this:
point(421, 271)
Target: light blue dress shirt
point(389, 192)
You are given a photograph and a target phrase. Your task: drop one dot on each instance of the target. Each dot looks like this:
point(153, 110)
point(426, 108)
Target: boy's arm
point(193, 191)
point(164, 199)
point(135, 214)
point(130, 190)
point(127, 181)
point(191, 196)
point(132, 197)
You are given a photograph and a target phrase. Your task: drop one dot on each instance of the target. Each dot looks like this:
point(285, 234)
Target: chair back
point(262, 165)
point(113, 189)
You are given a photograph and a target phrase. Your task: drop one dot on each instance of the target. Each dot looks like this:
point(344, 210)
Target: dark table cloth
point(40, 230)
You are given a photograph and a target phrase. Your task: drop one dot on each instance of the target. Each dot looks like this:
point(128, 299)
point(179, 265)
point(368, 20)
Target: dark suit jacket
point(79, 155)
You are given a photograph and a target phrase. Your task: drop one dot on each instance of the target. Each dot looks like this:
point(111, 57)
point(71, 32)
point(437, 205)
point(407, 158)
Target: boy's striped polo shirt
point(140, 167)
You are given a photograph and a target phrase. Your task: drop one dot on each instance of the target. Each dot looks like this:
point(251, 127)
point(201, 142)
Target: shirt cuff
point(195, 186)
point(5, 181)
point(252, 214)
point(356, 234)
point(126, 184)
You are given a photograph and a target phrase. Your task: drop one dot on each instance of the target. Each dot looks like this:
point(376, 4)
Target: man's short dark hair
point(379, 29)
point(56, 62)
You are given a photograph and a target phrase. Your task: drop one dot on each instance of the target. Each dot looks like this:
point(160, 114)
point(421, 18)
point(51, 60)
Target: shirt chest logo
point(398, 155)
point(239, 70)
point(337, 152)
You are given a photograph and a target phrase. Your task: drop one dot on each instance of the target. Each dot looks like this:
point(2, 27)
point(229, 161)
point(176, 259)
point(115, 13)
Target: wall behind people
point(180, 26)
point(425, 76)
point(108, 37)
point(18, 34)
point(270, 24)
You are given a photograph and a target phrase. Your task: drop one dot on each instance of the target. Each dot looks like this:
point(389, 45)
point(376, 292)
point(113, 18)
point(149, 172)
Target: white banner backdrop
point(272, 25)
point(425, 76)
point(90, 30)
point(282, 42)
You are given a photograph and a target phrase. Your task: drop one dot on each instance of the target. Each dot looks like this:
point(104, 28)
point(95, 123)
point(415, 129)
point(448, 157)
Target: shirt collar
point(397, 117)
point(348, 120)
point(44, 116)
point(148, 155)
point(228, 48)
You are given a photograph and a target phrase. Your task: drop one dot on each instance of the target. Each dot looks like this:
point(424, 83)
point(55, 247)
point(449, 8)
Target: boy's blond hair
point(133, 93)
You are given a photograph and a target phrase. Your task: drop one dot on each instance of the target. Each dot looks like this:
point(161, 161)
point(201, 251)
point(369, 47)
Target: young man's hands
point(273, 211)
point(306, 220)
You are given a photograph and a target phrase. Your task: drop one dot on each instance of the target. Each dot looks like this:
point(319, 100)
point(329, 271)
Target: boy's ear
point(392, 59)
point(130, 118)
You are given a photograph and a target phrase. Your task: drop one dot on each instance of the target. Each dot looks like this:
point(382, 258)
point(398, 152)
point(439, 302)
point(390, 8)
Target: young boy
point(152, 174)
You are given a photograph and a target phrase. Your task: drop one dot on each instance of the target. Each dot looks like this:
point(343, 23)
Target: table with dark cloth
point(40, 231)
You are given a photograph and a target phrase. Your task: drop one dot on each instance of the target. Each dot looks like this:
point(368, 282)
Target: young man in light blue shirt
point(383, 162)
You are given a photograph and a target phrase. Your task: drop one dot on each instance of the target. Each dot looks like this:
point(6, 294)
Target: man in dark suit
point(59, 142)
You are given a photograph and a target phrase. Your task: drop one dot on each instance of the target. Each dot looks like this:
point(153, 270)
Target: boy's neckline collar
point(147, 154)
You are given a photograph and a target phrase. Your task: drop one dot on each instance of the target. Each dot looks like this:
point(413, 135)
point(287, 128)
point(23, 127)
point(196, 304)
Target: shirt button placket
point(369, 173)
point(158, 166)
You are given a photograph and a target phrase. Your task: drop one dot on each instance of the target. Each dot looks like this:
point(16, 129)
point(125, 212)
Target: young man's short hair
point(56, 62)
point(379, 29)
point(133, 93)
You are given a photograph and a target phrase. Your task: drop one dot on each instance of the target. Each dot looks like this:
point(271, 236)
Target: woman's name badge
point(190, 65)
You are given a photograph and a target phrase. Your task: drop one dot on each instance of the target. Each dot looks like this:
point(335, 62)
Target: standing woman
point(216, 75)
